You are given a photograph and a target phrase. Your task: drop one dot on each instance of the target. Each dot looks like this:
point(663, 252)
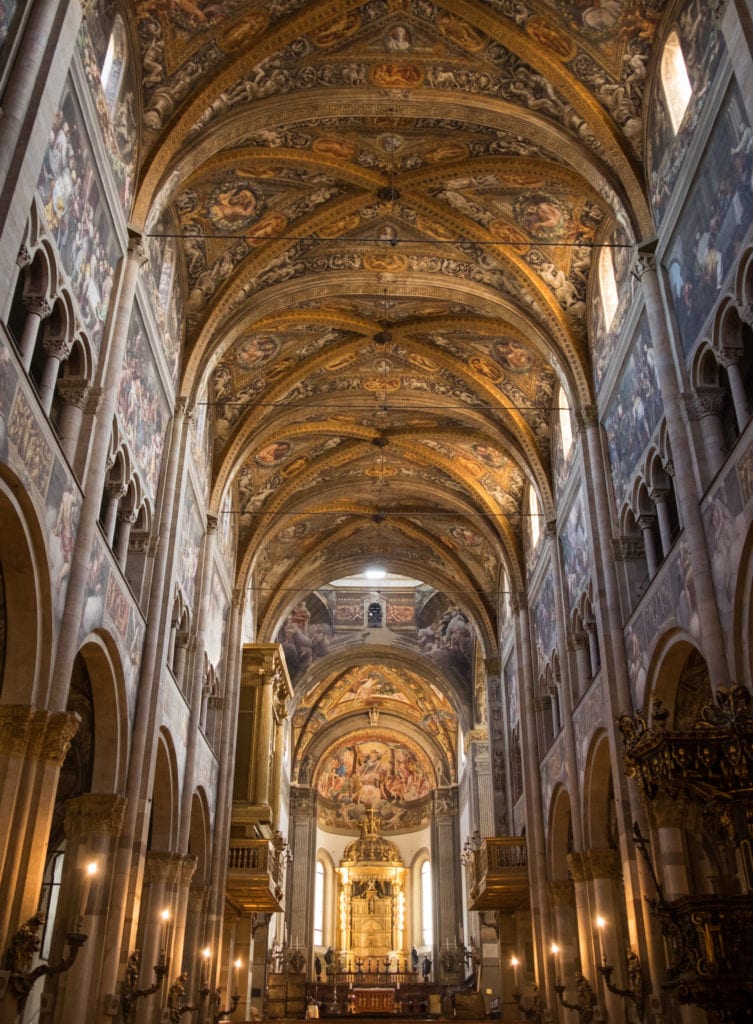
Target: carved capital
point(162, 867)
point(137, 250)
point(186, 869)
point(561, 893)
point(198, 896)
point(181, 405)
point(128, 516)
point(24, 257)
point(115, 490)
point(492, 666)
point(74, 391)
point(100, 813)
point(602, 863)
point(57, 348)
point(551, 529)
point(60, 728)
point(644, 261)
point(729, 355)
point(576, 641)
point(646, 521)
point(586, 416)
point(93, 401)
point(139, 540)
point(16, 729)
point(577, 864)
point(659, 495)
point(38, 305)
point(625, 548)
point(211, 523)
point(745, 312)
point(704, 401)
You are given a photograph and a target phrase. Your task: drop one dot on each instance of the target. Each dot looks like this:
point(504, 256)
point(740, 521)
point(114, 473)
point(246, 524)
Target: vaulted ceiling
point(388, 213)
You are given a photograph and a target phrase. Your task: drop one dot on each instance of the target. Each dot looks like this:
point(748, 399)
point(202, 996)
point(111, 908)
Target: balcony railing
point(254, 877)
point(497, 874)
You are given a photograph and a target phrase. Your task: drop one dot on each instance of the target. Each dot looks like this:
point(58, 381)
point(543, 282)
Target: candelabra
point(586, 1005)
point(215, 1002)
point(636, 992)
point(131, 992)
point(533, 1010)
point(20, 954)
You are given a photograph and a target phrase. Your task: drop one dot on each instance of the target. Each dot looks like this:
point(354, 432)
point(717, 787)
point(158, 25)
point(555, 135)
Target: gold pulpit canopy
point(372, 897)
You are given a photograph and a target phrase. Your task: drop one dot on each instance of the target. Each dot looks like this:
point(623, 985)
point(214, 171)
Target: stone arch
point(598, 793)
point(742, 615)
point(111, 724)
point(199, 836)
point(163, 829)
point(560, 831)
point(27, 619)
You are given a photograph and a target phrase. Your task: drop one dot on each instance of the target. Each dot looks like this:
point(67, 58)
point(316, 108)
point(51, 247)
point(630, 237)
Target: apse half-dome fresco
point(374, 771)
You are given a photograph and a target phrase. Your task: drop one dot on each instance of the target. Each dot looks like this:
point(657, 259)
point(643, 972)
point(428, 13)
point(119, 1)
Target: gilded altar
point(372, 900)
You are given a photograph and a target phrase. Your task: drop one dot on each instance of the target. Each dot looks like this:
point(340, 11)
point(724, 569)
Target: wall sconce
point(587, 1005)
point(131, 992)
point(20, 953)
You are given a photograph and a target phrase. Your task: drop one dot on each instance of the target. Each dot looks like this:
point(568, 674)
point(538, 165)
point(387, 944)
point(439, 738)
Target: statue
point(414, 958)
point(426, 967)
point(318, 968)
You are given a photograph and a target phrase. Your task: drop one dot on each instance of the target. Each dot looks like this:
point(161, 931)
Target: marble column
point(92, 826)
point(56, 351)
point(74, 394)
point(646, 526)
point(302, 837)
point(37, 310)
point(565, 928)
point(659, 496)
point(730, 360)
point(445, 868)
point(33, 745)
point(608, 941)
point(264, 731)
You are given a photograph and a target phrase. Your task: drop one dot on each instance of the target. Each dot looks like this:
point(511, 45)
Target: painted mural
point(510, 677)
point(190, 546)
point(726, 527)
point(199, 438)
point(8, 11)
point(219, 606)
point(142, 407)
point(716, 218)
point(76, 213)
point(114, 99)
point(575, 551)
point(63, 509)
point(8, 384)
point(544, 623)
point(26, 437)
point(702, 47)
point(165, 290)
point(603, 340)
point(226, 534)
point(375, 771)
point(634, 411)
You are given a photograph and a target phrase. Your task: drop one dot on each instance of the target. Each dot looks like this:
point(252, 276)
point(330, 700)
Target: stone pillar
point(37, 310)
point(301, 872)
point(542, 928)
point(194, 963)
point(484, 787)
point(186, 871)
point(705, 406)
point(244, 952)
point(580, 871)
point(565, 928)
point(609, 941)
point(694, 536)
point(730, 360)
point(445, 870)
point(33, 745)
point(92, 826)
point(142, 733)
point(646, 526)
point(74, 394)
point(659, 497)
point(123, 536)
point(260, 934)
point(114, 493)
point(57, 351)
point(220, 838)
point(576, 644)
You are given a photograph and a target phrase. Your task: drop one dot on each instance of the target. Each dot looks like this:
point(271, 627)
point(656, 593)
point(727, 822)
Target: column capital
point(57, 348)
point(625, 548)
point(551, 529)
point(93, 401)
point(160, 866)
point(74, 391)
point(586, 416)
point(100, 813)
point(38, 305)
point(577, 865)
point(658, 494)
point(24, 256)
point(603, 862)
point(181, 405)
point(59, 729)
point(137, 250)
point(646, 521)
point(187, 865)
point(704, 401)
point(576, 641)
point(492, 666)
point(16, 728)
point(561, 893)
point(644, 260)
point(212, 521)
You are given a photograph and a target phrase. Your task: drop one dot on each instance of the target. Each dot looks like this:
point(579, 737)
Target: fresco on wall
point(702, 46)
point(165, 290)
point(513, 722)
point(192, 532)
point(9, 10)
point(717, 216)
point(219, 606)
point(95, 589)
point(142, 406)
point(603, 341)
point(726, 528)
point(76, 213)
point(575, 552)
point(33, 455)
point(63, 509)
point(544, 622)
point(8, 383)
point(634, 411)
point(226, 536)
point(375, 771)
point(116, 107)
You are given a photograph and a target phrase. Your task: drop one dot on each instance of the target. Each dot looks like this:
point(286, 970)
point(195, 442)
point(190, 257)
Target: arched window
point(427, 906)
point(319, 904)
point(608, 286)
point(534, 517)
point(674, 78)
point(114, 64)
point(566, 424)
